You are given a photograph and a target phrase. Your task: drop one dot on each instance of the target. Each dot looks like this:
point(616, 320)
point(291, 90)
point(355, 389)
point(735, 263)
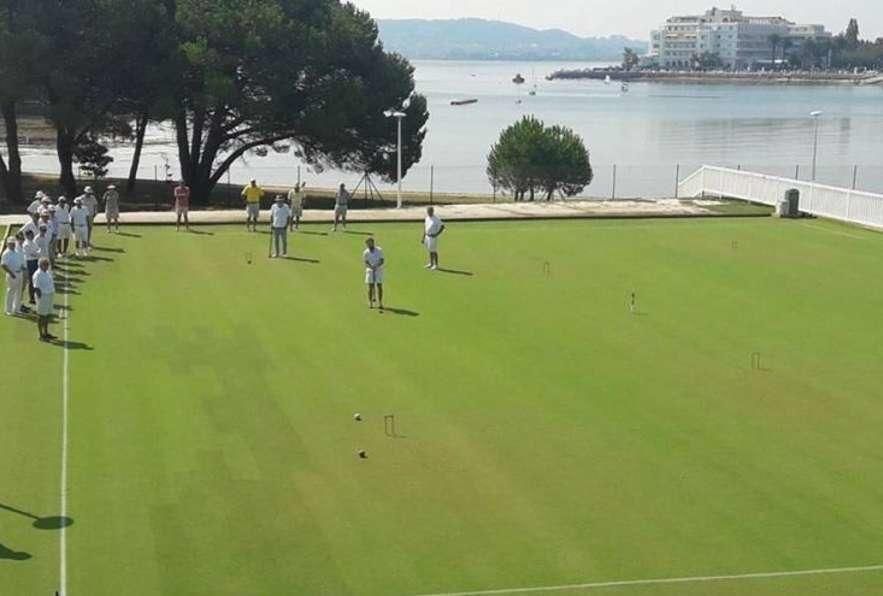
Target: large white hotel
point(740, 41)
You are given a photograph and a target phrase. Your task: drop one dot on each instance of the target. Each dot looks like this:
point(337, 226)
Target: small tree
point(530, 157)
point(92, 157)
point(630, 59)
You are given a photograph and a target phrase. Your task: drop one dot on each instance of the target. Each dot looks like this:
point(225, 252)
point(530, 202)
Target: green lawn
point(550, 436)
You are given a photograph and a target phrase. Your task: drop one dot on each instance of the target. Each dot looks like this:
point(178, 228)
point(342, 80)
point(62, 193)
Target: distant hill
point(479, 39)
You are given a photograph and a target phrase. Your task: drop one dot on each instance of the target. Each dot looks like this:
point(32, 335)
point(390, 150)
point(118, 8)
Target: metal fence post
point(677, 179)
point(613, 190)
point(797, 172)
point(431, 183)
point(854, 175)
point(298, 176)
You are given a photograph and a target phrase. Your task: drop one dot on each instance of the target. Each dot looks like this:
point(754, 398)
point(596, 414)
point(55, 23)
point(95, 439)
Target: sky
point(634, 18)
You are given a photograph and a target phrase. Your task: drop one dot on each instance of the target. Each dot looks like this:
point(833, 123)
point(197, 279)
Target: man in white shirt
point(341, 206)
point(280, 217)
point(63, 220)
point(112, 208)
point(32, 258)
point(90, 203)
point(44, 288)
point(33, 225)
point(80, 222)
point(42, 240)
point(296, 201)
point(374, 262)
point(13, 264)
point(432, 229)
point(34, 207)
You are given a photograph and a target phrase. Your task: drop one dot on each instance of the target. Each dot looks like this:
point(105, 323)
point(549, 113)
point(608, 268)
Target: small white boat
point(607, 80)
point(281, 147)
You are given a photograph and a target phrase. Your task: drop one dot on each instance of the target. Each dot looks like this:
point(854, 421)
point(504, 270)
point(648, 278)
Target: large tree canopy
point(310, 72)
point(531, 158)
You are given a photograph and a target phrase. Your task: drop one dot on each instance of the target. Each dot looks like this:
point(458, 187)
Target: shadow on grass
point(93, 258)
point(67, 291)
point(455, 272)
point(105, 249)
point(11, 555)
point(201, 232)
point(72, 345)
point(302, 260)
point(401, 311)
point(309, 233)
point(41, 523)
point(128, 235)
point(354, 233)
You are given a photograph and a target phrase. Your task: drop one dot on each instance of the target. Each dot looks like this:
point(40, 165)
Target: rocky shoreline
point(723, 78)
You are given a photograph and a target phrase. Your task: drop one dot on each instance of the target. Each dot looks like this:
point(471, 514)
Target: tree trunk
point(11, 171)
point(140, 130)
point(65, 149)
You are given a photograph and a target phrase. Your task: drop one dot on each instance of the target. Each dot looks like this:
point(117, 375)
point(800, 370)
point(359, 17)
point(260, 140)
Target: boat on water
point(607, 80)
point(624, 87)
point(518, 80)
point(261, 151)
point(463, 102)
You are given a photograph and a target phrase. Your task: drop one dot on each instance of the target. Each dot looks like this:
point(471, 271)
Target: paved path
point(490, 211)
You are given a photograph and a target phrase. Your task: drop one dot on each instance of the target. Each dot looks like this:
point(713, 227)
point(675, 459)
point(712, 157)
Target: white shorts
point(81, 233)
point(253, 210)
point(341, 210)
point(182, 210)
point(374, 277)
point(112, 215)
point(64, 231)
point(297, 212)
point(45, 304)
point(431, 243)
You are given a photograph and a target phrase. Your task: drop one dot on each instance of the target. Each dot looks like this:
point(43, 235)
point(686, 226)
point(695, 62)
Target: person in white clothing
point(341, 206)
point(63, 220)
point(80, 222)
point(280, 217)
point(90, 203)
point(42, 241)
point(33, 225)
point(13, 264)
point(296, 202)
point(432, 229)
point(34, 207)
point(44, 288)
point(112, 208)
point(374, 262)
point(32, 258)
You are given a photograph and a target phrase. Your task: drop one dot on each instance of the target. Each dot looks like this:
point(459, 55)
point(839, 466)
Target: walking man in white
point(341, 205)
point(432, 229)
point(80, 223)
point(112, 208)
point(44, 288)
point(296, 201)
point(280, 218)
point(13, 264)
point(374, 262)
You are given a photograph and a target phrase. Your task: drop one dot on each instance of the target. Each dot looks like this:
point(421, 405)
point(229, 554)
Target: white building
point(740, 41)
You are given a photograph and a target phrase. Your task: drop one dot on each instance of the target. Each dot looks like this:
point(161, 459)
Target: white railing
point(834, 202)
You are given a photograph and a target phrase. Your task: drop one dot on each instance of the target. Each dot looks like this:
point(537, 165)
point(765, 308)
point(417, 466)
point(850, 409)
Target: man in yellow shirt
point(252, 195)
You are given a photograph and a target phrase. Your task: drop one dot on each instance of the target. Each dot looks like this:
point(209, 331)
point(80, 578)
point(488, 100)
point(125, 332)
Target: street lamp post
point(399, 115)
point(815, 143)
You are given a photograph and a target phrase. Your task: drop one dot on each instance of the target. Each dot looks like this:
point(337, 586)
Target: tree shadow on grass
point(11, 555)
point(302, 260)
point(455, 272)
point(55, 522)
point(401, 311)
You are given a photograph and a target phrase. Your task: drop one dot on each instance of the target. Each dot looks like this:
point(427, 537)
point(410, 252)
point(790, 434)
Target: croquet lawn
point(547, 435)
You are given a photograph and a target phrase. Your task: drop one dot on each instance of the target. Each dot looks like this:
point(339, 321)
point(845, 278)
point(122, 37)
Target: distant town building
point(740, 41)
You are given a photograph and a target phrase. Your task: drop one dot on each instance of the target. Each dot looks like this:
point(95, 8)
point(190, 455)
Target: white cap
point(39, 195)
point(78, 200)
point(10, 241)
point(112, 187)
point(88, 190)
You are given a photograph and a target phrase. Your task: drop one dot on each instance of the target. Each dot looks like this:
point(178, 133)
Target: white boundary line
point(660, 581)
point(65, 395)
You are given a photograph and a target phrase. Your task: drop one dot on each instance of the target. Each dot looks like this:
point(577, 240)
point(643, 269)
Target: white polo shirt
point(43, 281)
point(432, 224)
point(30, 226)
point(373, 259)
point(280, 213)
point(79, 216)
point(35, 206)
point(42, 243)
point(62, 214)
point(14, 260)
point(90, 203)
point(30, 250)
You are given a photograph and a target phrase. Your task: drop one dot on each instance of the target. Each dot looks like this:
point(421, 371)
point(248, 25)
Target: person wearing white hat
point(33, 225)
point(44, 288)
point(43, 240)
point(34, 207)
point(90, 203)
point(80, 223)
point(432, 229)
point(13, 264)
point(280, 217)
point(341, 206)
point(32, 257)
point(374, 262)
point(112, 208)
point(63, 220)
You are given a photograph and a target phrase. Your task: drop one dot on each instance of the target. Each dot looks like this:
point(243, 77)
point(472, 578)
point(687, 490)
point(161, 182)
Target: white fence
point(834, 202)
